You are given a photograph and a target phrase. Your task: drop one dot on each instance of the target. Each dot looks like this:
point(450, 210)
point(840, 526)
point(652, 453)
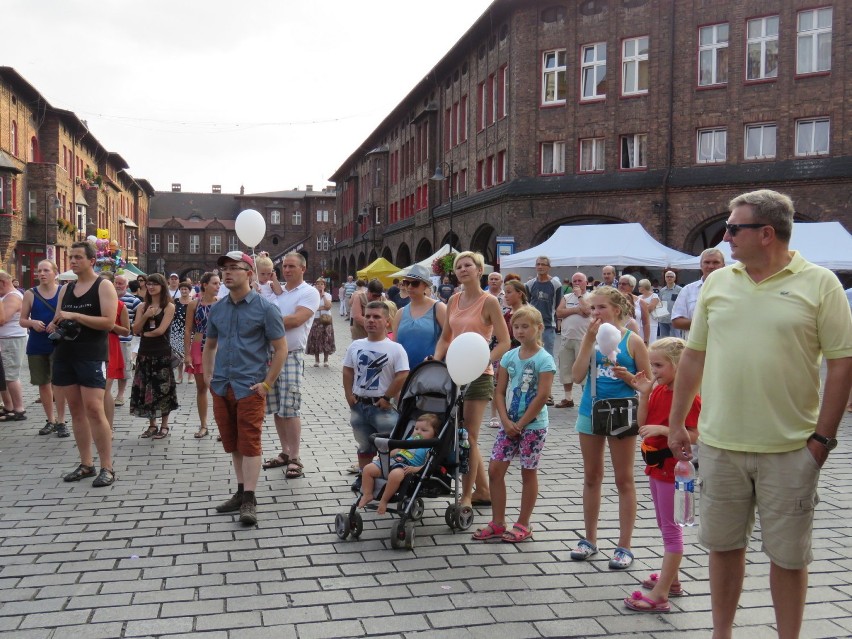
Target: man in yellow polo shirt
point(760, 330)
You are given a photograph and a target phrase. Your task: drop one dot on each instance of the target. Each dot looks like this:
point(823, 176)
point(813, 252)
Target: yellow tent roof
point(381, 270)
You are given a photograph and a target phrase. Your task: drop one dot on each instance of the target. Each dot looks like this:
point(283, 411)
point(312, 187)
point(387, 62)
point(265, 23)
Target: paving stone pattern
point(149, 557)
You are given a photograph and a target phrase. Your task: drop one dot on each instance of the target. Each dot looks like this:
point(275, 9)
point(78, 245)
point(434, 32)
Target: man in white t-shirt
point(298, 302)
point(374, 370)
point(683, 309)
point(575, 313)
point(174, 286)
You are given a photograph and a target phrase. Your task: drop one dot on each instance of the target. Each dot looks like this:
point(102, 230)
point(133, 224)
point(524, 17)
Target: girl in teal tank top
point(611, 307)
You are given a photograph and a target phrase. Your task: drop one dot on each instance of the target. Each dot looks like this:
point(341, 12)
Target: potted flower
point(443, 265)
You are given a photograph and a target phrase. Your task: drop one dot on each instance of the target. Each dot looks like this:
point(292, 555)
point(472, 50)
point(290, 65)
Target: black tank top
point(91, 344)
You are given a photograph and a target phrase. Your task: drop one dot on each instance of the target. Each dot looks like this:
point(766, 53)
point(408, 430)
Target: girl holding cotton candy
point(619, 354)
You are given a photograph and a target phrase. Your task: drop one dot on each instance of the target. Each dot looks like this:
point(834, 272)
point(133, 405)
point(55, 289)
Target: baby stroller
point(428, 389)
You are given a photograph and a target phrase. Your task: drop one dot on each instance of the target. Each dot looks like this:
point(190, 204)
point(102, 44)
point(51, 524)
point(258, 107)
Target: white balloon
point(608, 338)
point(467, 358)
point(250, 227)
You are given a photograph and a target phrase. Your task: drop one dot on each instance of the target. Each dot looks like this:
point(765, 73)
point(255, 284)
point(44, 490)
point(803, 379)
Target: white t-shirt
point(267, 293)
point(576, 325)
point(305, 296)
point(684, 305)
point(375, 365)
point(326, 297)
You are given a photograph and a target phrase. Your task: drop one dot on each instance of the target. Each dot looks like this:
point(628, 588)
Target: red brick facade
point(59, 184)
point(484, 111)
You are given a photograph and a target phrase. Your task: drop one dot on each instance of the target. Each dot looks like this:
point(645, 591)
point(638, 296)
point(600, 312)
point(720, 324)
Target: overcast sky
point(270, 94)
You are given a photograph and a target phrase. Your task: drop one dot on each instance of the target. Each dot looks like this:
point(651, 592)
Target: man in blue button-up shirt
point(240, 374)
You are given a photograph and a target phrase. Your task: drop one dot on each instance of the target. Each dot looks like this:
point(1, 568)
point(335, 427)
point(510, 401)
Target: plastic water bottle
point(464, 452)
point(684, 497)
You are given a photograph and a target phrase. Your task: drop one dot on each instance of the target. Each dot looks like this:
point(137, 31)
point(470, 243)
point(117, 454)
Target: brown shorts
point(240, 422)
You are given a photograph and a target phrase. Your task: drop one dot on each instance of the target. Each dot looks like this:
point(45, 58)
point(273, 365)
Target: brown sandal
point(276, 462)
point(149, 433)
point(294, 469)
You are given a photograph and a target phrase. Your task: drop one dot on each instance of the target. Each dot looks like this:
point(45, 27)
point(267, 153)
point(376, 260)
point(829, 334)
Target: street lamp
point(440, 177)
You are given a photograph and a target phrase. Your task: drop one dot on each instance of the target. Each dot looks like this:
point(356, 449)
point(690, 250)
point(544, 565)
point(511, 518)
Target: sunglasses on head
point(733, 229)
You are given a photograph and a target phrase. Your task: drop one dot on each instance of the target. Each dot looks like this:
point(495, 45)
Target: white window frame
point(154, 242)
point(319, 215)
point(172, 243)
point(319, 242)
point(808, 41)
point(31, 203)
point(597, 155)
point(2, 193)
point(763, 130)
point(325, 215)
point(275, 216)
point(195, 243)
point(632, 142)
point(717, 49)
point(505, 90)
point(297, 218)
point(215, 244)
point(589, 70)
point(559, 74)
point(768, 36)
point(233, 243)
point(631, 65)
point(552, 158)
point(810, 137)
point(718, 137)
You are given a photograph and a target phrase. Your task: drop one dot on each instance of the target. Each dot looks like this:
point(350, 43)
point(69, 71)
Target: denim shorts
point(88, 373)
point(367, 419)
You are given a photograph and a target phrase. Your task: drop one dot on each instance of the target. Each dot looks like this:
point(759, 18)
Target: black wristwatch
point(386, 398)
point(829, 442)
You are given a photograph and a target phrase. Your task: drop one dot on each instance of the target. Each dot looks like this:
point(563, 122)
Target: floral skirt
point(321, 339)
point(153, 393)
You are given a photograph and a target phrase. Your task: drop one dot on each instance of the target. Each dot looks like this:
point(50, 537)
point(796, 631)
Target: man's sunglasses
point(733, 229)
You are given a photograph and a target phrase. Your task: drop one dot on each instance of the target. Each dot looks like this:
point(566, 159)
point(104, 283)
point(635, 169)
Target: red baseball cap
point(236, 256)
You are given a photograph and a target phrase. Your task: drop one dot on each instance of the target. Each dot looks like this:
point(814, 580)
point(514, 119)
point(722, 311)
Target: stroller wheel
point(398, 535)
point(417, 510)
point(341, 526)
point(465, 517)
point(409, 535)
point(357, 525)
point(450, 517)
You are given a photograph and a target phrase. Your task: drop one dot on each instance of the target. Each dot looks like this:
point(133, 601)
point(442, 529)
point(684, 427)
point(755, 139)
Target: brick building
point(59, 184)
point(654, 111)
point(188, 231)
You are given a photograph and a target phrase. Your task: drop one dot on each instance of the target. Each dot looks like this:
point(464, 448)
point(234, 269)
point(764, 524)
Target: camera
point(68, 330)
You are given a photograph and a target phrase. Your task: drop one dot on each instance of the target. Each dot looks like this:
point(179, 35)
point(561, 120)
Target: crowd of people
point(241, 335)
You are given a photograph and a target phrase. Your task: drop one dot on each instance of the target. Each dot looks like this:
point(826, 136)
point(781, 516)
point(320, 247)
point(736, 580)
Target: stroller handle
point(383, 444)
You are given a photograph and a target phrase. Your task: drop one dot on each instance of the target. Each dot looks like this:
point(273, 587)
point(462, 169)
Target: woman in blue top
point(608, 306)
point(417, 326)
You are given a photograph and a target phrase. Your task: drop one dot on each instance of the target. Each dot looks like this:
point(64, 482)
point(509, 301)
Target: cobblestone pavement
point(149, 557)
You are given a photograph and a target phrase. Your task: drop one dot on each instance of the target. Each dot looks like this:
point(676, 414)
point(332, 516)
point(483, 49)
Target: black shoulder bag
point(617, 417)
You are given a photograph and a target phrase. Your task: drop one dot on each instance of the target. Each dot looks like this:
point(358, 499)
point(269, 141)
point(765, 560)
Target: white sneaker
point(494, 423)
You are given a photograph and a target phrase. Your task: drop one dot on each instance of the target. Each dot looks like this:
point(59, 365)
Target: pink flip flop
point(640, 603)
point(676, 590)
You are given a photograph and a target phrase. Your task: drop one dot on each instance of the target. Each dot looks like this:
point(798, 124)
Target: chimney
point(217, 188)
point(175, 187)
point(309, 187)
point(242, 190)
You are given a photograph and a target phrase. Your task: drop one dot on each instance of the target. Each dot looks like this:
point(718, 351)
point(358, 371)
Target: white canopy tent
point(827, 244)
point(599, 245)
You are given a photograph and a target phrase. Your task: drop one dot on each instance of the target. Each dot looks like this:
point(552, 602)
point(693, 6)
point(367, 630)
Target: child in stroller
point(402, 462)
point(428, 390)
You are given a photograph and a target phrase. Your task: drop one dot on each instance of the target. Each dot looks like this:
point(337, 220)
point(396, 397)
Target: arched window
point(35, 154)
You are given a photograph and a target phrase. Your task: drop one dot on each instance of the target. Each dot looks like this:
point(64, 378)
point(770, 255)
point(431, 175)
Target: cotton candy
point(607, 339)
